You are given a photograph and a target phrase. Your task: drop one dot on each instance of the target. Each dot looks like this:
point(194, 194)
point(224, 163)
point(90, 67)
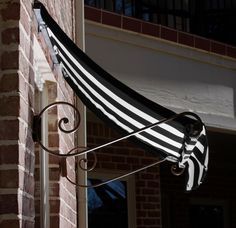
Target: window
point(212, 19)
point(208, 214)
point(112, 204)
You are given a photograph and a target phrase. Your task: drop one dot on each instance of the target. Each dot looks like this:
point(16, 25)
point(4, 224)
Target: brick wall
point(16, 102)
point(17, 90)
point(62, 195)
point(123, 157)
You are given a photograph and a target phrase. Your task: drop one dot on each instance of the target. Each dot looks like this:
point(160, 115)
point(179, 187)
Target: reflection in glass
point(107, 205)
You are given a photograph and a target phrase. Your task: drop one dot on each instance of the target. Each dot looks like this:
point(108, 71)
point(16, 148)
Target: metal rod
point(86, 151)
point(118, 177)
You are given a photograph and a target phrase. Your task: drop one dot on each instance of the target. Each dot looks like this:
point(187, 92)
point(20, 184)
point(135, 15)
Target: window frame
point(213, 202)
point(131, 196)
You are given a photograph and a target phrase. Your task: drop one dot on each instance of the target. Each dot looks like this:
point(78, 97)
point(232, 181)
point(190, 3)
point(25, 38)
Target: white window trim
point(43, 74)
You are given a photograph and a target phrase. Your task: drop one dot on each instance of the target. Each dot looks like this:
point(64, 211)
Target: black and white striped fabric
point(124, 108)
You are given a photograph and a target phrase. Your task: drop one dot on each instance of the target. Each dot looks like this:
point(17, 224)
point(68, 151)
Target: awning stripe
point(124, 108)
point(121, 124)
point(119, 112)
point(109, 92)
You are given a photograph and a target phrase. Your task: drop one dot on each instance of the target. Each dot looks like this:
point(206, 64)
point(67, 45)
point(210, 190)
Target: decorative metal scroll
point(193, 131)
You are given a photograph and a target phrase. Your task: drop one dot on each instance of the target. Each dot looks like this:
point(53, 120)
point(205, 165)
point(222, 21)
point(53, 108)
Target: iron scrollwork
point(193, 130)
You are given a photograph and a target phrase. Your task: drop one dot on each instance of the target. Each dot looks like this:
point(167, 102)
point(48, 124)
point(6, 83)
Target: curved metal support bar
point(116, 178)
point(85, 160)
point(192, 130)
point(175, 170)
point(61, 122)
point(86, 151)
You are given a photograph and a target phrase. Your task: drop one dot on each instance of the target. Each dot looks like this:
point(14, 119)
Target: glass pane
point(186, 5)
point(109, 5)
point(107, 205)
point(170, 4)
point(119, 6)
point(178, 23)
point(178, 4)
point(129, 8)
point(206, 216)
point(171, 20)
point(90, 2)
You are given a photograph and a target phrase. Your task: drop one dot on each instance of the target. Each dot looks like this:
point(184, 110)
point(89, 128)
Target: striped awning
point(125, 109)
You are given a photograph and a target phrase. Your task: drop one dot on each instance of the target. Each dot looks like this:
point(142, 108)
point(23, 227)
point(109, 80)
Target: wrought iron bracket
point(193, 130)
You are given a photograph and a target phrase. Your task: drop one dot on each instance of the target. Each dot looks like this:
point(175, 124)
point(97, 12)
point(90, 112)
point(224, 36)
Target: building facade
point(158, 52)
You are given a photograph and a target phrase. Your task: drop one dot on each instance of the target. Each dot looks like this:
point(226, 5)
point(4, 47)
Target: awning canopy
point(126, 110)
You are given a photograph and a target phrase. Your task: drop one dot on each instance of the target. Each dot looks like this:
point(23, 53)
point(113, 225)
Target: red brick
point(10, 104)
point(118, 159)
point(10, 35)
point(10, 223)
point(155, 214)
point(168, 34)
point(186, 39)
point(8, 204)
point(131, 24)
point(150, 29)
point(150, 191)
point(133, 160)
point(112, 19)
point(151, 221)
point(146, 161)
point(37, 206)
point(92, 14)
point(9, 129)
point(123, 167)
point(153, 184)
point(54, 174)
point(9, 154)
point(107, 165)
point(11, 12)
point(231, 51)
point(54, 221)
point(37, 222)
point(218, 48)
point(140, 183)
point(147, 176)
point(202, 43)
point(9, 178)
point(54, 159)
point(53, 140)
point(54, 206)
point(9, 82)
point(141, 214)
point(151, 206)
point(10, 60)
point(141, 198)
point(54, 189)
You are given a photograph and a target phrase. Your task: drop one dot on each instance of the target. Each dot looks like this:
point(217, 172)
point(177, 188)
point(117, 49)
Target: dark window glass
point(107, 205)
point(129, 8)
point(214, 19)
point(90, 2)
point(119, 6)
point(206, 216)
